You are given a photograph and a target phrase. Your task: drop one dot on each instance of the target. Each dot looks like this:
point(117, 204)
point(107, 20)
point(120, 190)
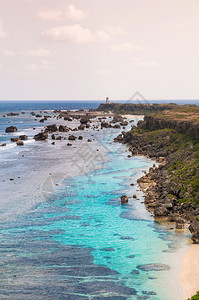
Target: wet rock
point(108, 249)
point(59, 138)
point(69, 144)
point(14, 139)
point(89, 140)
point(150, 293)
point(134, 196)
point(124, 199)
point(80, 137)
point(12, 114)
point(53, 137)
point(63, 128)
point(11, 129)
point(72, 138)
point(51, 128)
point(41, 136)
point(20, 143)
point(3, 145)
point(23, 137)
point(81, 127)
point(84, 120)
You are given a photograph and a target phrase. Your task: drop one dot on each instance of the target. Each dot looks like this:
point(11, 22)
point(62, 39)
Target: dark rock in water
point(14, 139)
point(69, 144)
point(72, 138)
point(127, 238)
point(108, 249)
point(124, 199)
point(88, 125)
point(11, 129)
point(135, 272)
point(11, 179)
point(41, 136)
point(80, 137)
point(3, 145)
point(42, 120)
point(81, 127)
point(59, 138)
point(131, 256)
point(38, 116)
point(84, 120)
point(23, 137)
point(51, 128)
point(63, 128)
point(150, 293)
point(153, 267)
point(20, 143)
point(12, 114)
point(67, 118)
point(53, 137)
point(89, 140)
point(53, 143)
point(134, 196)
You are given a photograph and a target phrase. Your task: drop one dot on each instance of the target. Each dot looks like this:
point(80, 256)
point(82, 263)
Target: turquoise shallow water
point(83, 244)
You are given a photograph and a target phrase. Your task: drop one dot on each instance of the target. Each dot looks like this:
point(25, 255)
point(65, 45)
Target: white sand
point(189, 277)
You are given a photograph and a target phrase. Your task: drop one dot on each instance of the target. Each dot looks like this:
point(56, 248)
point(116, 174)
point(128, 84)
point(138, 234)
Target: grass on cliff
point(182, 153)
point(195, 297)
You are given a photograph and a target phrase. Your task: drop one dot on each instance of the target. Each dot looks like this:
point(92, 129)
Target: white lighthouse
point(107, 100)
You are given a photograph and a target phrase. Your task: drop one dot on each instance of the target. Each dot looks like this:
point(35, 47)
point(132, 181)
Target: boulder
point(124, 199)
point(20, 143)
point(80, 137)
point(81, 127)
point(89, 140)
point(3, 145)
point(84, 120)
point(11, 129)
point(63, 128)
point(41, 136)
point(23, 137)
point(14, 139)
point(72, 138)
point(51, 128)
point(12, 114)
point(69, 144)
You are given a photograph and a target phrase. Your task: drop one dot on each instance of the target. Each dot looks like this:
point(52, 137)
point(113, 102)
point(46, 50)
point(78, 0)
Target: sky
point(91, 49)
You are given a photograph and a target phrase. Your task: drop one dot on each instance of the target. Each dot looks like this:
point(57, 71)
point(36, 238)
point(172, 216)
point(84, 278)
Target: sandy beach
point(189, 277)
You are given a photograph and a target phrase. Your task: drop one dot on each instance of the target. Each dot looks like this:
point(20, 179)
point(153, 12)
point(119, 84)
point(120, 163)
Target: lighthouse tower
point(107, 100)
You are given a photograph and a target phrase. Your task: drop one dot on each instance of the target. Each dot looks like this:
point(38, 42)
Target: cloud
point(108, 32)
point(75, 33)
point(127, 47)
point(67, 13)
point(3, 34)
point(78, 34)
point(43, 65)
point(32, 53)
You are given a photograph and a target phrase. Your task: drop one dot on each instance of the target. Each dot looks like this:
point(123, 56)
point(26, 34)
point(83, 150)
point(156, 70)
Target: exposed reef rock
point(41, 136)
point(11, 129)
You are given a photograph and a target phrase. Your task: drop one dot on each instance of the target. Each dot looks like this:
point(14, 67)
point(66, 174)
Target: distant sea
point(28, 105)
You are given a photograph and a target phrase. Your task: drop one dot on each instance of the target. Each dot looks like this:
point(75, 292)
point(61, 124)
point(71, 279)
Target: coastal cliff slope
point(171, 189)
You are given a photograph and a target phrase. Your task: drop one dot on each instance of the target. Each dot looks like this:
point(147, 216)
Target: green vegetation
point(196, 297)
point(182, 153)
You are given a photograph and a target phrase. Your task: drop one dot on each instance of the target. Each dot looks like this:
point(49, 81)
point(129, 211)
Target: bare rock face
point(194, 229)
point(41, 136)
point(124, 199)
point(11, 129)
